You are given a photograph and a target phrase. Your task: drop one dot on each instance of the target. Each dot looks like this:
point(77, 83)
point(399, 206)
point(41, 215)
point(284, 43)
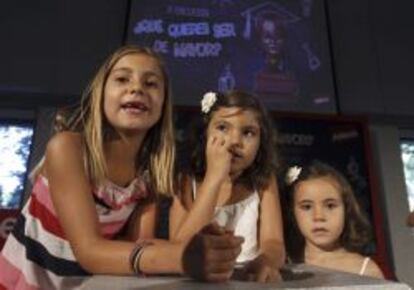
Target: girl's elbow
point(87, 258)
point(87, 263)
point(92, 264)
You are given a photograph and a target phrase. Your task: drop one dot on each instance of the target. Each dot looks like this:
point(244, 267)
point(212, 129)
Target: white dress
point(242, 217)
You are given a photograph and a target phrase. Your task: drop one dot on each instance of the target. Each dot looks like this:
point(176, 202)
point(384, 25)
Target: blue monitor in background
point(16, 138)
point(276, 49)
point(407, 156)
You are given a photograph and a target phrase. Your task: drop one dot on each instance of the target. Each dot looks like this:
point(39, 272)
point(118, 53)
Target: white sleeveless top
point(242, 217)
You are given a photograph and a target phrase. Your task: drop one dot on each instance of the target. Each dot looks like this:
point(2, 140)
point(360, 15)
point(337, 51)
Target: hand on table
point(259, 270)
point(211, 254)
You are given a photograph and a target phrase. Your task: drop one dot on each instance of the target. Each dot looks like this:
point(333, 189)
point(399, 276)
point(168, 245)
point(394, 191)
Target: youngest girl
point(325, 215)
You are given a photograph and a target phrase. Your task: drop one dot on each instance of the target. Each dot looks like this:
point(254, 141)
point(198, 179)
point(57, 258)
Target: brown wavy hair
point(357, 229)
point(257, 175)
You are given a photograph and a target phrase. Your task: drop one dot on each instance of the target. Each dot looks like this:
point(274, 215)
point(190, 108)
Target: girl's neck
point(314, 254)
point(232, 192)
point(235, 176)
point(124, 147)
point(121, 154)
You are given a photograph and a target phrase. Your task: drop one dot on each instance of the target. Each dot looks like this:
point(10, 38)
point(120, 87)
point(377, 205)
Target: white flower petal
point(208, 101)
point(293, 174)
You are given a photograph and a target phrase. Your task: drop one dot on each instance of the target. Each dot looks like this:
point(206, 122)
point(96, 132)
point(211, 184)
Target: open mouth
point(237, 155)
point(134, 107)
point(320, 231)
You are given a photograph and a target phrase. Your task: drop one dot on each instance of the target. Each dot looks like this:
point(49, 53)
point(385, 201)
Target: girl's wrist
point(212, 179)
point(179, 251)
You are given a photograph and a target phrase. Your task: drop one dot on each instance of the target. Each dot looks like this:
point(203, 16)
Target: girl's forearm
point(201, 212)
point(112, 257)
point(163, 258)
point(274, 251)
point(105, 256)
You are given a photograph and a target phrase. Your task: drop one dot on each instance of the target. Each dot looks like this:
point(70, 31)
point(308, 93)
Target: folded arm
point(72, 198)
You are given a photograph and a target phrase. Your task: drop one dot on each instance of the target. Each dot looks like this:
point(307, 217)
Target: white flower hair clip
point(208, 101)
point(293, 174)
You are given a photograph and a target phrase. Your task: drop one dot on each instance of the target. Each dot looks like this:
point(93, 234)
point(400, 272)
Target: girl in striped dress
point(93, 206)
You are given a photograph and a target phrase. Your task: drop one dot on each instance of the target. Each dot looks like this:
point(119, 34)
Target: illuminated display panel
point(16, 139)
point(278, 50)
point(407, 156)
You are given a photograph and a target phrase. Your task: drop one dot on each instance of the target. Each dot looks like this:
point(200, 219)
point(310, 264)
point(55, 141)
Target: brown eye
point(331, 205)
point(121, 79)
point(152, 84)
point(221, 127)
point(249, 133)
point(305, 207)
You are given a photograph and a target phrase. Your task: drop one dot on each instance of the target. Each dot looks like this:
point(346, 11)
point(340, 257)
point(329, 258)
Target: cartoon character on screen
point(232, 181)
point(273, 36)
point(275, 81)
point(94, 199)
point(326, 222)
point(226, 81)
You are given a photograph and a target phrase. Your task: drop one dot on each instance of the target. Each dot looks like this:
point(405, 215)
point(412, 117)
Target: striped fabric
point(37, 254)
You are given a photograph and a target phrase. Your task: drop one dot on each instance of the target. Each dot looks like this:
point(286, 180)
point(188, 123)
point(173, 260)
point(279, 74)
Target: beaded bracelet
point(135, 256)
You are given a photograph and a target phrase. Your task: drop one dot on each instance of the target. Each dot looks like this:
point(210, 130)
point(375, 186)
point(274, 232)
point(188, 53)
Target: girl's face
point(319, 212)
point(134, 93)
point(241, 129)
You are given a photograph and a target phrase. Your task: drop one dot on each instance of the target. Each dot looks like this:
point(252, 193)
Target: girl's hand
point(260, 270)
point(211, 254)
point(218, 157)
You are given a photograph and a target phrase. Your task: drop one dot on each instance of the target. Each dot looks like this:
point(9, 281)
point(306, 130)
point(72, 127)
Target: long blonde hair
point(157, 154)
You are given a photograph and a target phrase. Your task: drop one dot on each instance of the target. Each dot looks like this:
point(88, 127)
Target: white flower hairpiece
point(293, 174)
point(208, 101)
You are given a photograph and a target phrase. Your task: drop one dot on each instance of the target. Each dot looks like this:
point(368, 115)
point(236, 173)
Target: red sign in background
point(8, 218)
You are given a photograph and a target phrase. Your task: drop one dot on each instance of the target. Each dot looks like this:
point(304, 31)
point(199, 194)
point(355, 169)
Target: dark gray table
point(296, 277)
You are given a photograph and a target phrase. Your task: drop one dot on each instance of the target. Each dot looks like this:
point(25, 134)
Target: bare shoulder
point(64, 145)
point(271, 187)
point(63, 151)
point(64, 141)
point(373, 270)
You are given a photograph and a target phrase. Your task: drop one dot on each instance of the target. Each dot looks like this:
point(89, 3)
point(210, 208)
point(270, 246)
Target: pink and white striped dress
point(37, 254)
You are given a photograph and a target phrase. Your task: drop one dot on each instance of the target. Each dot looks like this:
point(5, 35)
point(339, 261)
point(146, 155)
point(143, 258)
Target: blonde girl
point(93, 210)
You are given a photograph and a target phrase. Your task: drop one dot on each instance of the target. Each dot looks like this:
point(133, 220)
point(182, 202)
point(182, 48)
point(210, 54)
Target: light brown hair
point(157, 154)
